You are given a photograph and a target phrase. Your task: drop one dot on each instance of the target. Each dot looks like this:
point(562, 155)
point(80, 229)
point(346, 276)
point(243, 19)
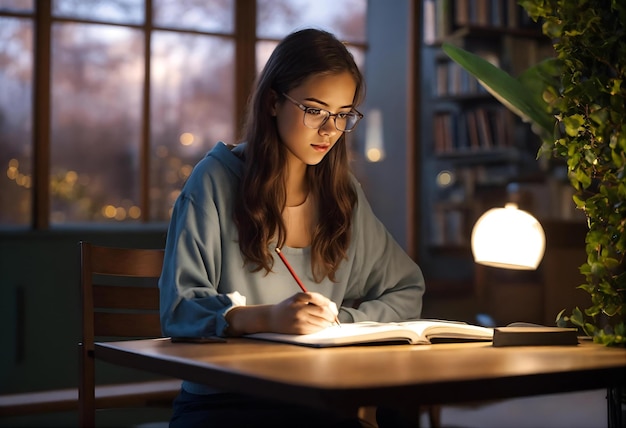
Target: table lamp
point(508, 238)
point(511, 238)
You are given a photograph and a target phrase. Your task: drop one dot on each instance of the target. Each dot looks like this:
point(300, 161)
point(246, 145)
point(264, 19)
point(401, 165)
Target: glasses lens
point(346, 122)
point(315, 118)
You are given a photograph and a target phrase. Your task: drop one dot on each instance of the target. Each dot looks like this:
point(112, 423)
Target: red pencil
point(291, 271)
point(295, 276)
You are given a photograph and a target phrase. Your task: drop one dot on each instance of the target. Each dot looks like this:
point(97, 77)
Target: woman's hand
point(302, 313)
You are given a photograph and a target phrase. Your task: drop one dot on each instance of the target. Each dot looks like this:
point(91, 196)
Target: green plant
point(577, 105)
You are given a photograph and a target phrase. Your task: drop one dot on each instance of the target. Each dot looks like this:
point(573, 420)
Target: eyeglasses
point(315, 118)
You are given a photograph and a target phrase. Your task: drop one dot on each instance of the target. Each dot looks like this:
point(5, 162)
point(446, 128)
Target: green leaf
point(504, 87)
point(577, 317)
point(589, 329)
point(573, 124)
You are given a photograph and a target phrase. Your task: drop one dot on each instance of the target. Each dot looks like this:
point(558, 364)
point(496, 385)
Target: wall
point(385, 182)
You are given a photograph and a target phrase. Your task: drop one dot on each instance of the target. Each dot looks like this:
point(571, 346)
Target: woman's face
point(334, 93)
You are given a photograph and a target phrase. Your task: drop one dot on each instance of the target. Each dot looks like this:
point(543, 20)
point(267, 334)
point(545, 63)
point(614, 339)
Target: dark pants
point(235, 410)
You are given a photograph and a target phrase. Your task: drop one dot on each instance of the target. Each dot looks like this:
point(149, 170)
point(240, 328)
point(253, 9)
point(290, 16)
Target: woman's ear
point(273, 102)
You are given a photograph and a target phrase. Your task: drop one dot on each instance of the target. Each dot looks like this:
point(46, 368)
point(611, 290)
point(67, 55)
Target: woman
point(287, 187)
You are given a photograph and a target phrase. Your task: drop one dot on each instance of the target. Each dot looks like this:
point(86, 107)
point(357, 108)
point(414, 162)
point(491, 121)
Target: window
point(114, 101)
point(16, 90)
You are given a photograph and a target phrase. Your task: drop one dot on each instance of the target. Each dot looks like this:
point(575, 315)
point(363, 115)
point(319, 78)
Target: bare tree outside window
point(118, 11)
point(212, 16)
point(97, 77)
point(345, 19)
point(192, 109)
point(17, 5)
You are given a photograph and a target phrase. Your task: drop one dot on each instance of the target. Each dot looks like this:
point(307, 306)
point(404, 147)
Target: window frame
point(243, 35)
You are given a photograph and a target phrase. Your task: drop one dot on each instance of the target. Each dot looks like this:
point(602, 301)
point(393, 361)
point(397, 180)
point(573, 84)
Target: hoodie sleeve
point(190, 302)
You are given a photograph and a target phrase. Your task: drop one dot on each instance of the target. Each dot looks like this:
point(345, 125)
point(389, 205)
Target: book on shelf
point(484, 128)
point(455, 84)
point(486, 13)
point(444, 133)
point(513, 13)
point(441, 18)
point(488, 128)
point(503, 125)
point(472, 130)
point(436, 20)
point(430, 30)
point(441, 73)
point(452, 80)
point(416, 332)
point(482, 12)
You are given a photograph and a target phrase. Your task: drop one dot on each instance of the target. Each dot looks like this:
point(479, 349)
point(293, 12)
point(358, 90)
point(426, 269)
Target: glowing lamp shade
point(508, 238)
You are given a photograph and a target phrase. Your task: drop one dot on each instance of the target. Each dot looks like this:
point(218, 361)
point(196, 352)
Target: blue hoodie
point(204, 274)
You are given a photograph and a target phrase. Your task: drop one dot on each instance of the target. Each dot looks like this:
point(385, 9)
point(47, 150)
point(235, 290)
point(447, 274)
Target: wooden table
point(350, 377)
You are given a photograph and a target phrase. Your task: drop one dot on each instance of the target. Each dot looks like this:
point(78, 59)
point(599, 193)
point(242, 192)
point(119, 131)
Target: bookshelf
point(472, 147)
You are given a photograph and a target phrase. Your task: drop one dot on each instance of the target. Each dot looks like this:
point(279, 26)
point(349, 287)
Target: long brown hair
point(261, 197)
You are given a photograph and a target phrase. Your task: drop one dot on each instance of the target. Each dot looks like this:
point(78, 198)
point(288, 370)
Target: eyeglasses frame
point(333, 115)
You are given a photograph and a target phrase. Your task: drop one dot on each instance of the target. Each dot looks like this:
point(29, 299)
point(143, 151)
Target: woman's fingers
point(303, 313)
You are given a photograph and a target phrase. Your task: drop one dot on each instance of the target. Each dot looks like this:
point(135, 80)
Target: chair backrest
point(120, 299)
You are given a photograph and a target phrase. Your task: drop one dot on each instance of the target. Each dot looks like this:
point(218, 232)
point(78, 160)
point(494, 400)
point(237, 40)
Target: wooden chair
point(120, 299)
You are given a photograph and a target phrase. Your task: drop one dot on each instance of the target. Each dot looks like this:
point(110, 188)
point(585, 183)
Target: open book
point(412, 332)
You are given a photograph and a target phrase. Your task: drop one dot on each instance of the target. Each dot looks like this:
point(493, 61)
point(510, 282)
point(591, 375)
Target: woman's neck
point(297, 187)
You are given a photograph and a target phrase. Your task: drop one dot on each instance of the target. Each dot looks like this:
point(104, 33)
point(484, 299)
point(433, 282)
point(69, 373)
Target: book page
point(414, 332)
point(448, 329)
point(347, 333)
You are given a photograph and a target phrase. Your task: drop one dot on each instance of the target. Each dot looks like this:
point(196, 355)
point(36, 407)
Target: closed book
point(535, 336)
